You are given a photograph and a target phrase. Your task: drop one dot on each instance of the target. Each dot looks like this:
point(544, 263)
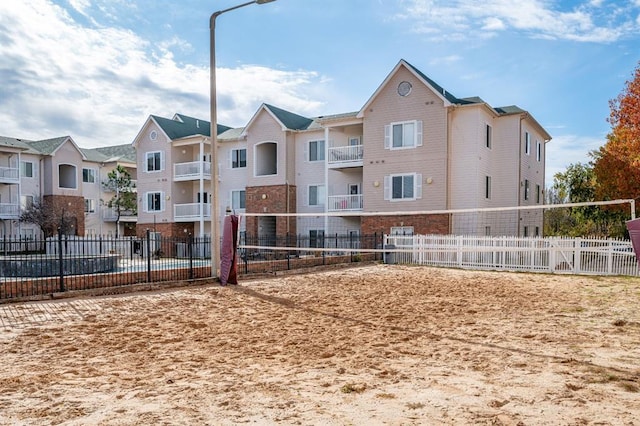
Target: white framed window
point(238, 200)
point(526, 231)
point(26, 201)
point(487, 187)
point(238, 158)
point(89, 205)
point(354, 141)
point(537, 194)
point(203, 197)
point(316, 150)
point(527, 143)
point(487, 231)
point(316, 195)
point(402, 231)
point(526, 189)
point(406, 134)
point(488, 135)
point(67, 176)
point(403, 187)
point(26, 169)
point(538, 151)
point(154, 161)
point(89, 175)
point(154, 201)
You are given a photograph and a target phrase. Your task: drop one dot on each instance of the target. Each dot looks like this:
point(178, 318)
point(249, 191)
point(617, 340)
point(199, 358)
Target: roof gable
point(51, 146)
point(286, 119)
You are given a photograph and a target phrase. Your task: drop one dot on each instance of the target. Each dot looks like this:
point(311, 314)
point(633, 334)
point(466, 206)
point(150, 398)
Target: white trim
point(146, 161)
point(76, 176)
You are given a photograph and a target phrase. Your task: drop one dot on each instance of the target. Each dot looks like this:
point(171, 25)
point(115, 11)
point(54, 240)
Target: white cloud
point(99, 84)
point(564, 150)
point(599, 21)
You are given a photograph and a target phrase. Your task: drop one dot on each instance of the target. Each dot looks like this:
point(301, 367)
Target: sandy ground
point(372, 345)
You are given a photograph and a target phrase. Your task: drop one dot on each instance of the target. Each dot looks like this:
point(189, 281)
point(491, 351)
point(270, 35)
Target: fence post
point(60, 261)
point(577, 255)
point(190, 248)
point(148, 255)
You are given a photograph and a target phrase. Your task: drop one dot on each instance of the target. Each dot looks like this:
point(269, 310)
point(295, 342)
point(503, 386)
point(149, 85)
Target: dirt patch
point(374, 345)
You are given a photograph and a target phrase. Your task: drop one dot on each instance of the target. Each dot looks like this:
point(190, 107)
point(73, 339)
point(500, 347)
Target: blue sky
point(96, 69)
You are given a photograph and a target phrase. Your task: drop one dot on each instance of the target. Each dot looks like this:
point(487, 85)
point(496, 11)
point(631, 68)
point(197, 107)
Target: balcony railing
point(192, 170)
point(346, 154)
point(191, 212)
point(9, 211)
point(339, 203)
point(110, 215)
point(9, 174)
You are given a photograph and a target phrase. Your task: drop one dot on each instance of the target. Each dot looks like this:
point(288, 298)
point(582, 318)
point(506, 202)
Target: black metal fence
point(41, 267)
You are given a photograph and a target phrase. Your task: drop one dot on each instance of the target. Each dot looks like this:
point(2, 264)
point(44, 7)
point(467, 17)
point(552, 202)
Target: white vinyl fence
point(551, 255)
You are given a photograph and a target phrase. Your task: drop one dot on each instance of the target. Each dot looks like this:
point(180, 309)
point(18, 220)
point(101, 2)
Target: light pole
point(215, 221)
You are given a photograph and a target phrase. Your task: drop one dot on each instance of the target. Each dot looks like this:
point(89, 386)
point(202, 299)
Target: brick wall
point(272, 199)
point(172, 229)
point(71, 206)
point(422, 224)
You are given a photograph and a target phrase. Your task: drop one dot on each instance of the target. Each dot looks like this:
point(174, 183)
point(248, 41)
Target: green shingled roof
point(183, 126)
point(124, 152)
point(290, 120)
point(47, 146)
point(436, 86)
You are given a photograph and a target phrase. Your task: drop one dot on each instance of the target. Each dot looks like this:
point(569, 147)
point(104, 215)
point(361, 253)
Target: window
point(487, 231)
point(316, 195)
point(266, 159)
point(538, 194)
point(407, 134)
point(526, 231)
point(316, 151)
point(238, 200)
point(403, 187)
point(89, 205)
point(154, 161)
point(203, 197)
point(316, 238)
point(527, 143)
point(154, 202)
point(526, 189)
point(354, 141)
point(487, 139)
point(26, 169)
point(238, 158)
point(89, 175)
point(26, 202)
point(538, 151)
point(67, 176)
point(487, 187)
point(402, 231)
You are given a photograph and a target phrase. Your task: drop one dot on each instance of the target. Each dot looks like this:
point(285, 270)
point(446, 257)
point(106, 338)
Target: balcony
point(346, 156)
point(345, 203)
point(9, 175)
point(191, 212)
point(9, 211)
point(192, 170)
point(110, 215)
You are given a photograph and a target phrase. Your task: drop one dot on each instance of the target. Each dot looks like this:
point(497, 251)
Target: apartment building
point(67, 178)
point(412, 147)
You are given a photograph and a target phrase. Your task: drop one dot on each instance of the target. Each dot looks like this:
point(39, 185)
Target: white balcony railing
point(110, 215)
point(339, 203)
point(9, 211)
point(346, 154)
point(192, 170)
point(191, 212)
point(9, 174)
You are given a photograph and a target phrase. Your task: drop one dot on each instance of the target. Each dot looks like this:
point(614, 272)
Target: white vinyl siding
point(406, 134)
point(404, 187)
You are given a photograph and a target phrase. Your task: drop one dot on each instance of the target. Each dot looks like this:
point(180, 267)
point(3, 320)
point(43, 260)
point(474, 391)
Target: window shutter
point(162, 201)
point(419, 133)
point(387, 136)
point(306, 152)
point(418, 185)
point(387, 187)
point(161, 160)
point(305, 196)
point(145, 202)
point(219, 174)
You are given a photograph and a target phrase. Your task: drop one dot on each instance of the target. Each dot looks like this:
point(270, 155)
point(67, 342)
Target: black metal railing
point(40, 267)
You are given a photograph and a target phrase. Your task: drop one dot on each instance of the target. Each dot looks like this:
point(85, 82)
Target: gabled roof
point(13, 143)
point(124, 152)
point(182, 126)
point(51, 146)
point(290, 120)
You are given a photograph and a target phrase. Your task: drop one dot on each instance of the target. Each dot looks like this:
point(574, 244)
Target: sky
point(96, 69)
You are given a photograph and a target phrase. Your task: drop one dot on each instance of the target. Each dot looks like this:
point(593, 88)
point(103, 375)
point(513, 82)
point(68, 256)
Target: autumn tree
point(48, 218)
point(617, 163)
